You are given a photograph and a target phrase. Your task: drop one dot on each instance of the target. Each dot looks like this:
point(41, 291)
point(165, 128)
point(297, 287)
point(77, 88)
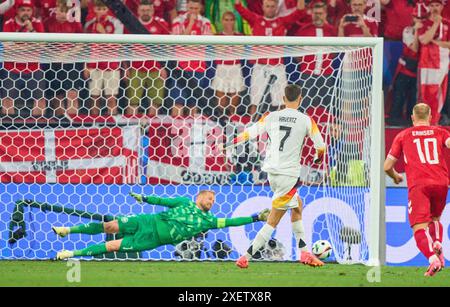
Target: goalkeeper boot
point(435, 266)
point(309, 259)
point(242, 262)
point(61, 231)
point(437, 248)
point(64, 255)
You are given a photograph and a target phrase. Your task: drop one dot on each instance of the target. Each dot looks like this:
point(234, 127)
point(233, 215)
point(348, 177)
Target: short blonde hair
point(202, 192)
point(421, 111)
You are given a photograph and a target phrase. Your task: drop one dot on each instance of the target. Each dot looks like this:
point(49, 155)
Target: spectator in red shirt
point(8, 10)
point(316, 79)
point(337, 9)
point(265, 70)
point(356, 23)
point(398, 17)
point(434, 39)
point(405, 79)
point(165, 9)
point(105, 76)
point(190, 75)
point(65, 80)
point(228, 80)
point(146, 78)
point(23, 80)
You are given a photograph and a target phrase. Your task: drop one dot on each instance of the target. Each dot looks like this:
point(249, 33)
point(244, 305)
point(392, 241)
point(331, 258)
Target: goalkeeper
point(184, 219)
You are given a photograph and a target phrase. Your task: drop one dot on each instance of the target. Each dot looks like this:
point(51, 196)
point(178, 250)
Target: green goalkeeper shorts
point(139, 233)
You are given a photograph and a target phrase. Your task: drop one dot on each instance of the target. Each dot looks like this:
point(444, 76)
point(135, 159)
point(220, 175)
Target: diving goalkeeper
point(184, 220)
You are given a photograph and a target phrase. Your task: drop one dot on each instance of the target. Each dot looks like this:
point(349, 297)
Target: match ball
point(322, 249)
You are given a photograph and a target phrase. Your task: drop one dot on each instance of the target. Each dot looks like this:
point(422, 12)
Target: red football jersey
point(155, 26)
point(398, 16)
point(202, 26)
point(335, 13)
point(353, 30)
point(310, 63)
point(53, 26)
point(47, 8)
point(262, 26)
point(13, 26)
point(162, 7)
point(423, 148)
point(430, 54)
point(131, 4)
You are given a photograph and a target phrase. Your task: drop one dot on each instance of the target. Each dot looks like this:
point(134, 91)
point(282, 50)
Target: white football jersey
point(287, 130)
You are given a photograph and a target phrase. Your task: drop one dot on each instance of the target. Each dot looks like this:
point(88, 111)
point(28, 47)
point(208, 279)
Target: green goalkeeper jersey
point(185, 220)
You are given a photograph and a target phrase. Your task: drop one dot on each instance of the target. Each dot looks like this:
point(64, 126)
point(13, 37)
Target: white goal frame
point(376, 237)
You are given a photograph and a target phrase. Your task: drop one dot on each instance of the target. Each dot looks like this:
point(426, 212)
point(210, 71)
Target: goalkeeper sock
point(424, 242)
point(299, 233)
point(264, 235)
point(90, 229)
point(93, 250)
point(436, 231)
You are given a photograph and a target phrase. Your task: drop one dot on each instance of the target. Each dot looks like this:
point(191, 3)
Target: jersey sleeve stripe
point(314, 128)
point(389, 156)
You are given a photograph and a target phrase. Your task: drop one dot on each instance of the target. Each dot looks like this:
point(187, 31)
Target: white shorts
point(107, 81)
point(228, 79)
point(260, 79)
point(284, 188)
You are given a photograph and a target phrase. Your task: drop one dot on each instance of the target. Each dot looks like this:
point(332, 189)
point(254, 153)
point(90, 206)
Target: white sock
point(433, 258)
point(263, 235)
point(299, 233)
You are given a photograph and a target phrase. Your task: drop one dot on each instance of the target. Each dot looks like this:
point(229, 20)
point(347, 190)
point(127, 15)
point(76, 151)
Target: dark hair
point(320, 5)
point(99, 3)
point(146, 2)
point(292, 92)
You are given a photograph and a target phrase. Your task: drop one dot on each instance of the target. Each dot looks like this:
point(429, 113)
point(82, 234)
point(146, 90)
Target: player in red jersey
point(423, 147)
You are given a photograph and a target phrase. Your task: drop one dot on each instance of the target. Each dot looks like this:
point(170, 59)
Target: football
point(322, 249)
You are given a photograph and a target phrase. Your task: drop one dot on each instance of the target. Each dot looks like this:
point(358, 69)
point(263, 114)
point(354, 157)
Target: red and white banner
point(85, 155)
point(184, 151)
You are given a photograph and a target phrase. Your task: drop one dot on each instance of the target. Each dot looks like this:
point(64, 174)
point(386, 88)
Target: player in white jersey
point(287, 130)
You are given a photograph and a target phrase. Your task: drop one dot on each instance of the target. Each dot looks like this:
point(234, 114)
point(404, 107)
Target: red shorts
point(426, 202)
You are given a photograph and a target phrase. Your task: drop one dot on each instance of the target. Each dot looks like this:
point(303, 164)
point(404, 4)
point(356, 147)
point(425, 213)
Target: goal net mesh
point(85, 124)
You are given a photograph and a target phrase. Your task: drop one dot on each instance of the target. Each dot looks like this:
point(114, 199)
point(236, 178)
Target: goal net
point(87, 119)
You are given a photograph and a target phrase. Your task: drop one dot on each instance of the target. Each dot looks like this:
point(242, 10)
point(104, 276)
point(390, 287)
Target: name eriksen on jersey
point(422, 133)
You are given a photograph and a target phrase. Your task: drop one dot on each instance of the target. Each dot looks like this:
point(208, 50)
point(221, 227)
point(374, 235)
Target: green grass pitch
point(226, 274)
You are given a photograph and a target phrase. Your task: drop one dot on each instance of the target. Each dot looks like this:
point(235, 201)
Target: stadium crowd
point(185, 87)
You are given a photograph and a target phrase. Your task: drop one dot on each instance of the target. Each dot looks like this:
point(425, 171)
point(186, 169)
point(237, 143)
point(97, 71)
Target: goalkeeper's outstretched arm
point(154, 200)
point(240, 221)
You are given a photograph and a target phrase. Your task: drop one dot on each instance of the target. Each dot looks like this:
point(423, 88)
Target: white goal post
point(77, 48)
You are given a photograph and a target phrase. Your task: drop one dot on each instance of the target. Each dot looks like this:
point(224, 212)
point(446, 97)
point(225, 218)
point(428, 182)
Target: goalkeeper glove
point(139, 198)
point(261, 216)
